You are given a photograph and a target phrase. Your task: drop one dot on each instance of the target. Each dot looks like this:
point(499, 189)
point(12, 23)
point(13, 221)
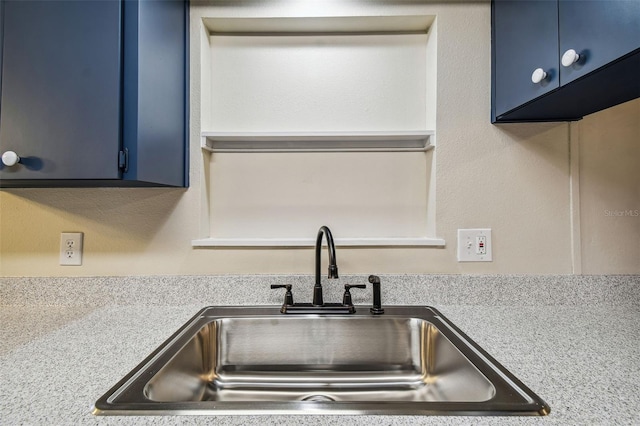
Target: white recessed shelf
point(399, 24)
point(400, 141)
point(310, 242)
point(318, 87)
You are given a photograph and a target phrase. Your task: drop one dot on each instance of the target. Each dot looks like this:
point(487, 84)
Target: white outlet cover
point(71, 248)
point(467, 240)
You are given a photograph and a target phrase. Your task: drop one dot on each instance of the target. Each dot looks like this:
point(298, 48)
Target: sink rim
point(522, 400)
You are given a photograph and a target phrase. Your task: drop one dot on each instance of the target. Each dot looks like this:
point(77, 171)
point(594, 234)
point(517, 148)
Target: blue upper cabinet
point(559, 60)
point(94, 93)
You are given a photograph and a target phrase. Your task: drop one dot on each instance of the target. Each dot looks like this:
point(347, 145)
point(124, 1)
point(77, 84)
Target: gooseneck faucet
point(333, 267)
point(318, 306)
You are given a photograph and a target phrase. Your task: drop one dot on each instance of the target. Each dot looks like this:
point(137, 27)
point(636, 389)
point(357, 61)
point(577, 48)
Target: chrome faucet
point(333, 267)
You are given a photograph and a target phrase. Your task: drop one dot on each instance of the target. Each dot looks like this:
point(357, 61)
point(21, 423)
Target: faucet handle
point(346, 299)
point(288, 296)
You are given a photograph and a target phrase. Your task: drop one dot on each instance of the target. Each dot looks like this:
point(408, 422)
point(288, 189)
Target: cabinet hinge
point(123, 160)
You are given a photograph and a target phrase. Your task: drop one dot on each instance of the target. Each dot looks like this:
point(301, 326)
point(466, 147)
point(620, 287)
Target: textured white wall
point(357, 195)
point(609, 156)
point(318, 83)
point(512, 178)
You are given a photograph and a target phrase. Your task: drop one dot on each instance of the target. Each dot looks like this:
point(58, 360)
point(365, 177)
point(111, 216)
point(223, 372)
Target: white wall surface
point(317, 83)
point(358, 195)
point(609, 156)
point(511, 178)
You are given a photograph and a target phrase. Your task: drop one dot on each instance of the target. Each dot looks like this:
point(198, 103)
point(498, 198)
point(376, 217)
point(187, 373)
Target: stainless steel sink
point(254, 360)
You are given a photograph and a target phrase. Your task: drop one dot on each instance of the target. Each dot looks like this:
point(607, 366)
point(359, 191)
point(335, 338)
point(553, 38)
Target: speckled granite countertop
point(66, 341)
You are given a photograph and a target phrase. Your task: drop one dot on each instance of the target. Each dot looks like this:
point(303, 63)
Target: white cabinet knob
point(538, 75)
point(569, 58)
point(10, 158)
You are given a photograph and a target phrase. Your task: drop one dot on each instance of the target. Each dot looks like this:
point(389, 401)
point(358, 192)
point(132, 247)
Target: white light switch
point(474, 245)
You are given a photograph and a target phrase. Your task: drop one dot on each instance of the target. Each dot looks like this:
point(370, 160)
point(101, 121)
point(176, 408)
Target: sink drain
point(318, 398)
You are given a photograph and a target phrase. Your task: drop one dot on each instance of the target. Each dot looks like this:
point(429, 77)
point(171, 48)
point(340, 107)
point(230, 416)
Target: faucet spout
point(333, 267)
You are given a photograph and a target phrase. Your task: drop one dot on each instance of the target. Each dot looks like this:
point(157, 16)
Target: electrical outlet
point(481, 244)
point(71, 248)
point(474, 245)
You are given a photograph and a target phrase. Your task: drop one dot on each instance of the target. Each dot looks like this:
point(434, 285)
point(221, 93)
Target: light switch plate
point(474, 245)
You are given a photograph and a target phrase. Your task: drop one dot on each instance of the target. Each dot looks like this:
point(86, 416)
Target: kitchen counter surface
point(57, 359)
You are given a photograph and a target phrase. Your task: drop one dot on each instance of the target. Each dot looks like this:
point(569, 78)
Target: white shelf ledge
point(310, 242)
point(401, 141)
point(399, 24)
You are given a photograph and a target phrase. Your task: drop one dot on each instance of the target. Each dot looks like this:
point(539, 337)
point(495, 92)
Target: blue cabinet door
point(60, 99)
point(525, 37)
point(155, 106)
point(600, 31)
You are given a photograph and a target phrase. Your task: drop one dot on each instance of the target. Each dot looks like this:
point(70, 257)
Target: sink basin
point(254, 360)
